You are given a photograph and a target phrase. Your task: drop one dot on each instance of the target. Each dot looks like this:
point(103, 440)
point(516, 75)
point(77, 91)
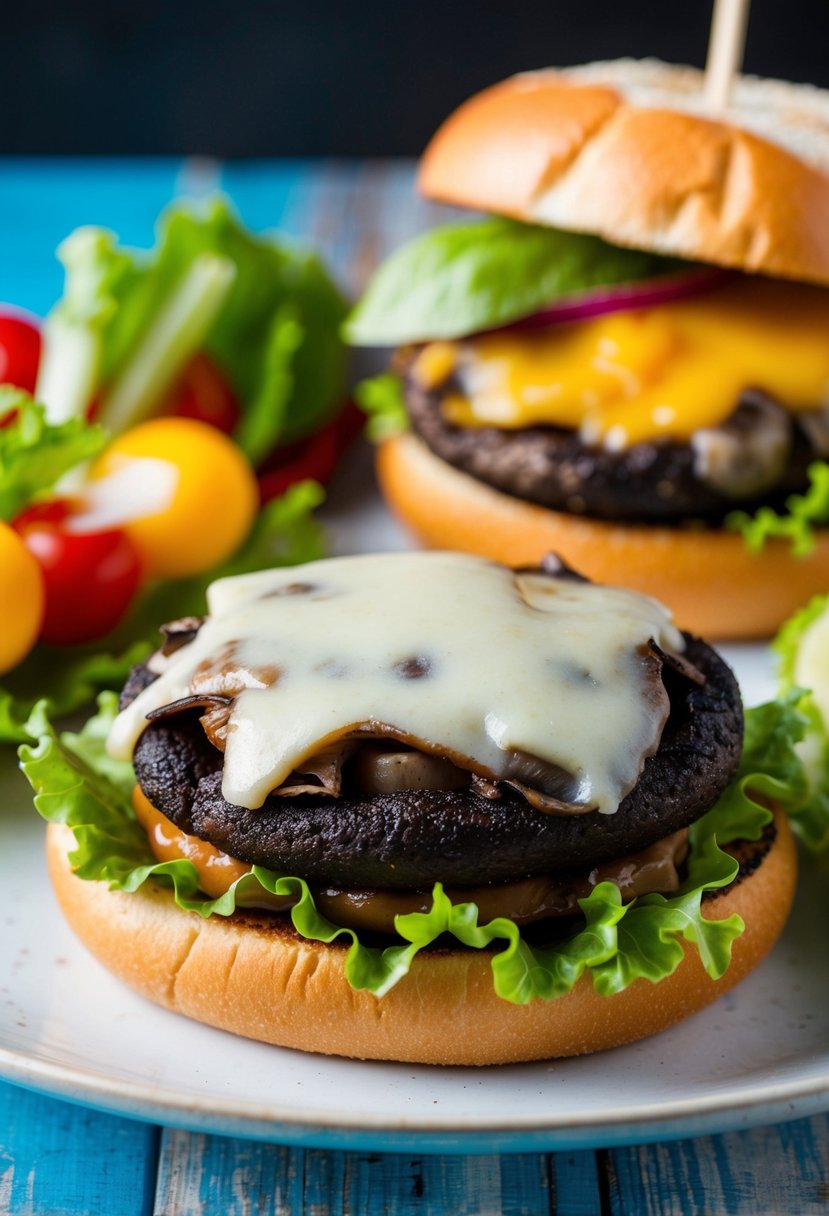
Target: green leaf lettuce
point(381, 398)
point(77, 784)
point(803, 514)
point(128, 323)
point(35, 453)
point(458, 280)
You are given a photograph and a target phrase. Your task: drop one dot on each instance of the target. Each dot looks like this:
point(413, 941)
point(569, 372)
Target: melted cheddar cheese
point(640, 375)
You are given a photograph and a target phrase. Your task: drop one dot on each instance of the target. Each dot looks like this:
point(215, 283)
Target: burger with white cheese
point(626, 361)
point(423, 807)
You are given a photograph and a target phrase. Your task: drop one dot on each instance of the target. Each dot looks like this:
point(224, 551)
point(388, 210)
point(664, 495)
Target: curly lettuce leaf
point(129, 322)
point(285, 533)
point(74, 677)
point(804, 513)
point(787, 643)
point(36, 453)
point(810, 704)
point(382, 399)
point(777, 765)
point(77, 784)
point(461, 279)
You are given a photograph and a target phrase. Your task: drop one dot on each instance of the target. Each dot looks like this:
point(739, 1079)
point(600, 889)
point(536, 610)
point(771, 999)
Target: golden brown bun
point(714, 586)
point(250, 976)
point(626, 150)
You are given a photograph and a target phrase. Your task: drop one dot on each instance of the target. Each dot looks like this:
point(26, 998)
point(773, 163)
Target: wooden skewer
point(725, 50)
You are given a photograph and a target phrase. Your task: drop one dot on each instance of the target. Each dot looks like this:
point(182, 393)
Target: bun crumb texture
point(628, 150)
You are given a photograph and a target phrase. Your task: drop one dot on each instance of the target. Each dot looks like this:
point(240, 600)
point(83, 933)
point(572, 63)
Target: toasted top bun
point(253, 975)
point(627, 150)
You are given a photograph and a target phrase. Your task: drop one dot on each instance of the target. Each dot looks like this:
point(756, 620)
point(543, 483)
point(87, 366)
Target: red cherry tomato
point(19, 351)
point(90, 577)
point(314, 458)
point(203, 393)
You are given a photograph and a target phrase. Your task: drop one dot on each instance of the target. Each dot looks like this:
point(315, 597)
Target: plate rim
point(129, 1097)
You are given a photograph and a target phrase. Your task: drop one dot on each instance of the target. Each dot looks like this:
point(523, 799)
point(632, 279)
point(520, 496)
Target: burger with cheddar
point(424, 807)
point(626, 360)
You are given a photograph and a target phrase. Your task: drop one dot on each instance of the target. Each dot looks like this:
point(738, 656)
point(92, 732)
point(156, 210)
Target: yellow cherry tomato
point(22, 599)
point(206, 500)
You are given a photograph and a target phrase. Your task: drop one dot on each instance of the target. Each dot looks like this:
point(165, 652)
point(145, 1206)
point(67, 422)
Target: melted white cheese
point(508, 661)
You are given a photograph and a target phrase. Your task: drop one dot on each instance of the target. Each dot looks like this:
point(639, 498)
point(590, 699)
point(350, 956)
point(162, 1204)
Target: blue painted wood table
point(57, 1158)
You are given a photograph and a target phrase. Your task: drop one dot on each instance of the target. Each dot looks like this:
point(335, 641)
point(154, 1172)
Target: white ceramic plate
point(758, 1055)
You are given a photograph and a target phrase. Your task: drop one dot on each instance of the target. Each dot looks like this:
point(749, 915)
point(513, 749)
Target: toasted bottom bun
point(714, 586)
point(254, 976)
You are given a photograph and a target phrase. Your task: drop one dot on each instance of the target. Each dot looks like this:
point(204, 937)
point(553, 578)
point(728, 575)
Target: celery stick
point(177, 332)
point(71, 362)
point(68, 374)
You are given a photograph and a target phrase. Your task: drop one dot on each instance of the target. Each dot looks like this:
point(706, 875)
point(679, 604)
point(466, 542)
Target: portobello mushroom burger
point(421, 807)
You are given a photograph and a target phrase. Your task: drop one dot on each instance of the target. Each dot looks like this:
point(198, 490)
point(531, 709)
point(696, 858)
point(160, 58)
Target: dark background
point(327, 77)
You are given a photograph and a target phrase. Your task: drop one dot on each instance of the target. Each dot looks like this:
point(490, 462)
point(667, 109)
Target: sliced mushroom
point(546, 786)
point(176, 634)
point(180, 633)
point(196, 701)
point(216, 720)
point(748, 454)
point(485, 788)
point(484, 781)
point(229, 675)
point(678, 663)
point(321, 773)
point(379, 769)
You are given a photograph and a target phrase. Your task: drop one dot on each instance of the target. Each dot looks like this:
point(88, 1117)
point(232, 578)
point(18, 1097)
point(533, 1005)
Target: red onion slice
point(648, 294)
